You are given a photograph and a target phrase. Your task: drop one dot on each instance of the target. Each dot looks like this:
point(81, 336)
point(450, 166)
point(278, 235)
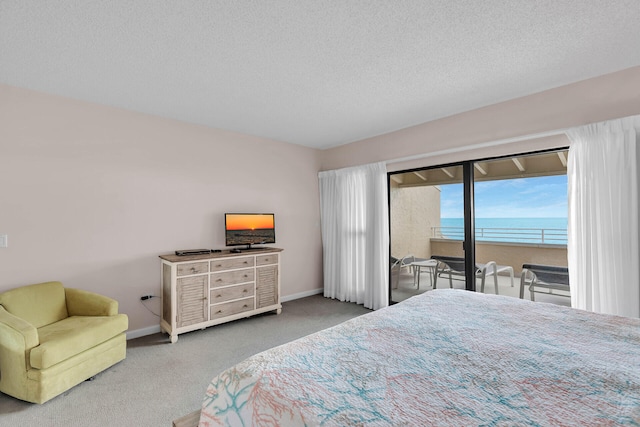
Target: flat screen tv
point(249, 229)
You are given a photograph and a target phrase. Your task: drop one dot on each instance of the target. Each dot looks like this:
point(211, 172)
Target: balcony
point(406, 288)
point(513, 247)
point(424, 204)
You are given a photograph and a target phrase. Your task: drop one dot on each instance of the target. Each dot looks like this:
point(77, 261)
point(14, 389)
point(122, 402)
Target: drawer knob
point(218, 265)
point(245, 291)
point(246, 262)
point(219, 311)
point(219, 280)
point(218, 296)
point(245, 306)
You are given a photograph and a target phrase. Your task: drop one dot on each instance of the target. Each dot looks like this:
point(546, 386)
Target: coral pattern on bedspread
point(443, 358)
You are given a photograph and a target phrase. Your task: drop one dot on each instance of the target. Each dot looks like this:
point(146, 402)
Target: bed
point(443, 358)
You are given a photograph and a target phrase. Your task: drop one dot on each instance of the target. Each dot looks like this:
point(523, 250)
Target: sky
point(539, 197)
point(248, 221)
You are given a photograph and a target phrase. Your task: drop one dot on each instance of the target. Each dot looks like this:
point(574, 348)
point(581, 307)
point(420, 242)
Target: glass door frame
point(468, 180)
point(468, 243)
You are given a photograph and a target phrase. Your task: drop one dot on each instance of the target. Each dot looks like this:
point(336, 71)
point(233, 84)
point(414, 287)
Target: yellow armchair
point(53, 338)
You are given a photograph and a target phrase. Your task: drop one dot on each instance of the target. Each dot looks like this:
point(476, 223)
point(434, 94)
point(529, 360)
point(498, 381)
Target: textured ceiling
point(318, 73)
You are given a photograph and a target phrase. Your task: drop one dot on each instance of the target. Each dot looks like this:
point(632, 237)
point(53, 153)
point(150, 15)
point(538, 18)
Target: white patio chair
point(549, 277)
point(454, 266)
point(406, 261)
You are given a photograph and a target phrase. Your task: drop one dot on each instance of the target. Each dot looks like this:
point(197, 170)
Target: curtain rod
point(480, 145)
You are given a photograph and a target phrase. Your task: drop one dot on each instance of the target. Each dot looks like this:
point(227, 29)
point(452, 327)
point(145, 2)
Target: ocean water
point(519, 230)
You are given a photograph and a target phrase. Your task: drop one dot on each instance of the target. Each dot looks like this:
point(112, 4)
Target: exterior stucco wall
point(413, 211)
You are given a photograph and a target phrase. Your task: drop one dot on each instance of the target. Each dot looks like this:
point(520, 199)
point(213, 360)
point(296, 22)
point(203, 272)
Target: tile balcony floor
point(406, 288)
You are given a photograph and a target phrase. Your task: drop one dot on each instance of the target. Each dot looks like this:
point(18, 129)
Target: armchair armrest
point(85, 303)
point(14, 329)
point(17, 338)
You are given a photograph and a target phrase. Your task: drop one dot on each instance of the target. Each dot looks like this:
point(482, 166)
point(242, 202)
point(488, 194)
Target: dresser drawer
point(192, 268)
point(231, 263)
point(229, 308)
point(267, 259)
point(232, 277)
point(230, 293)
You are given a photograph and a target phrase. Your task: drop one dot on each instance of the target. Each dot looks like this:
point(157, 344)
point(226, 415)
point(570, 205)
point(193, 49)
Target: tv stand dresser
point(199, 291)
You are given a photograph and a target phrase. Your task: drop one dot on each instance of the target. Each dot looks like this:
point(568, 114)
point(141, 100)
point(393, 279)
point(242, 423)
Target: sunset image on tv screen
point(249, 229)
point(249, 222)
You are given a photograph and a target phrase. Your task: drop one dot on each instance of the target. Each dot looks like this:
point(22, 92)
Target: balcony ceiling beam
point(482, 167)
point(422, 175)
point(520, 163)
point(563, 158)
point(447, 172)
point(398, 178)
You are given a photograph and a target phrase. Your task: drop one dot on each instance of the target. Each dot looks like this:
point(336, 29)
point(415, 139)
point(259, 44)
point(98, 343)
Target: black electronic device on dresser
point(187, 252)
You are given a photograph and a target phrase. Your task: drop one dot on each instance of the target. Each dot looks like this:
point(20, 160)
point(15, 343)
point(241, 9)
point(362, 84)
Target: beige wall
point(472, 135)
point(91, 195)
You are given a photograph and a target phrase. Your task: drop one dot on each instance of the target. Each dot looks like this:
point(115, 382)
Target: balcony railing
point(549, 236)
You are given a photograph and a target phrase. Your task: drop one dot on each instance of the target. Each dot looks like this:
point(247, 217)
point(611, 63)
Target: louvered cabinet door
point(192, 300)
point(266, 286)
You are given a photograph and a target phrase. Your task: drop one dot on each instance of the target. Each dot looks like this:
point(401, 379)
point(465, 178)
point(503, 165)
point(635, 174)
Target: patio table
point(417, 267)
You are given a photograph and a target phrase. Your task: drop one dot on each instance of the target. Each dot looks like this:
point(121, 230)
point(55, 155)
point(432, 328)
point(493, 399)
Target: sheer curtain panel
point(604, 270)
point(355, 234)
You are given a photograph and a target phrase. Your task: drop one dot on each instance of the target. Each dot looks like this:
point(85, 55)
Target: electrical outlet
point(4, 241)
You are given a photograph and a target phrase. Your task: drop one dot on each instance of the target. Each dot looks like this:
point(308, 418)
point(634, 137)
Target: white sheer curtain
point(355, 234)
point(603, 241)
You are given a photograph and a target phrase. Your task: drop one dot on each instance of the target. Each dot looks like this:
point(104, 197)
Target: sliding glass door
point(520, 205)
point(473, 225)
point(426, 217)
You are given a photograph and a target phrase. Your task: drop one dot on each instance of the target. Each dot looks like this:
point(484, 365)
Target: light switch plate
point(4, 241)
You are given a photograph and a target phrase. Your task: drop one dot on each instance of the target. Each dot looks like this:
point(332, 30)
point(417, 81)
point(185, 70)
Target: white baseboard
point(302, 295)
point(138, 333)
point(143, 332)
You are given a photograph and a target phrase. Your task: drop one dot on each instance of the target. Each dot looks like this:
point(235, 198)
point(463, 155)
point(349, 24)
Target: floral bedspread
point(443, 358)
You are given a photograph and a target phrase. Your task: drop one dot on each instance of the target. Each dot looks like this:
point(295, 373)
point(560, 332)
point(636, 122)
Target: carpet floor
point(159, 382)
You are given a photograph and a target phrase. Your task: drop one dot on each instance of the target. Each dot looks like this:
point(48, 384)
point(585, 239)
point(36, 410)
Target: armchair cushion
point(73, 335)
point(40, 304)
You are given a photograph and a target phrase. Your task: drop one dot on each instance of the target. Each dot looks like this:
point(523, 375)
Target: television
point(249, 229)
